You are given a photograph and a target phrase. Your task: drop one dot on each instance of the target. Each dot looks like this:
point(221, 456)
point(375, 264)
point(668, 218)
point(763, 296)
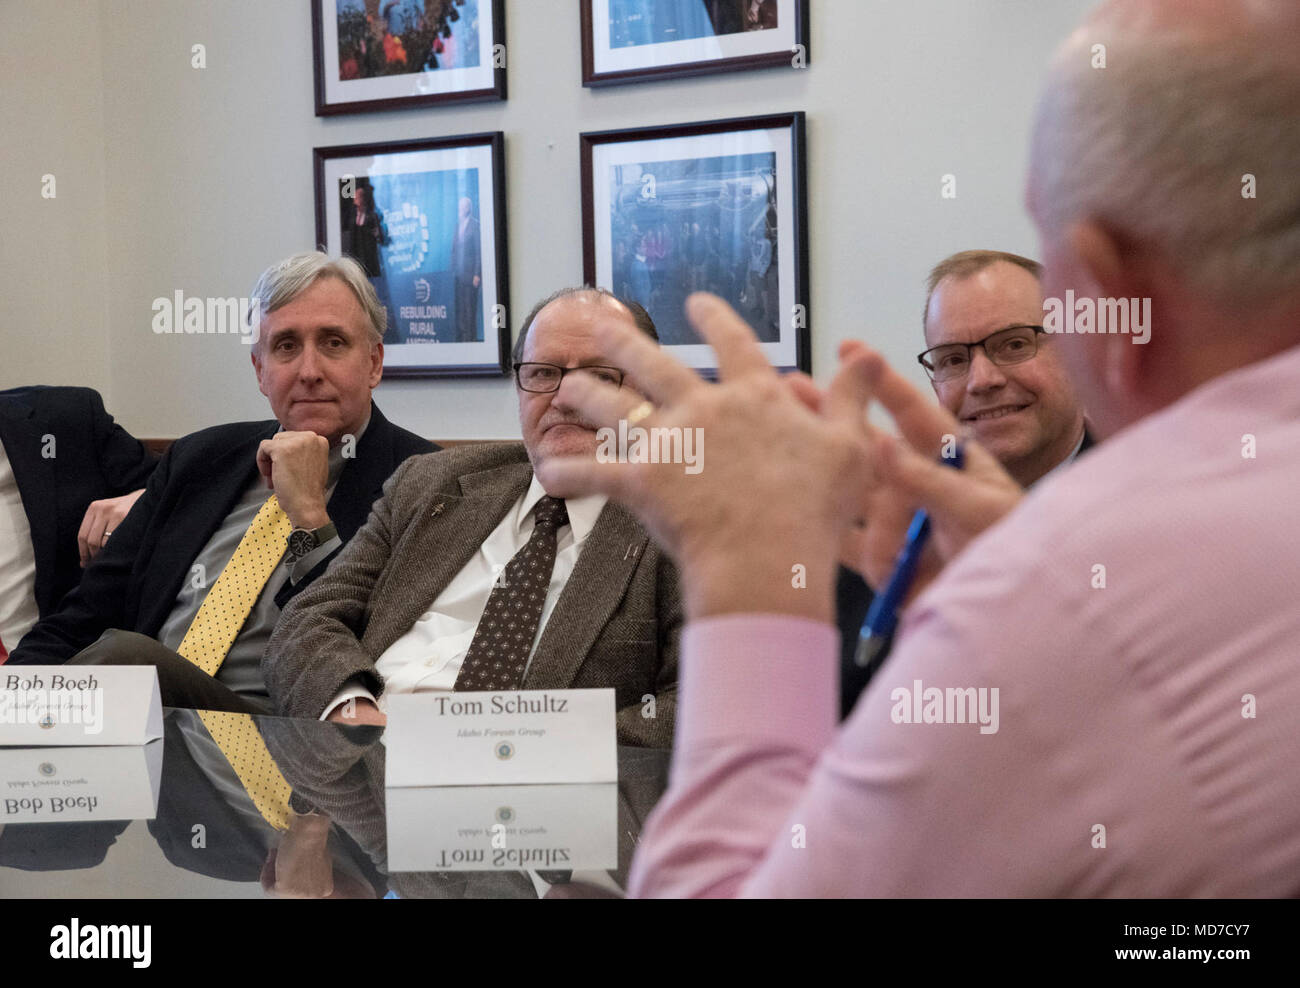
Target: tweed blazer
point(616, 624)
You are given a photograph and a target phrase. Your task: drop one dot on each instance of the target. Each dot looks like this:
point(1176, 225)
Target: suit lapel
point(452, 529)
point(594, 590)
point(198, 509)
point(362, 481)
point(37, 483)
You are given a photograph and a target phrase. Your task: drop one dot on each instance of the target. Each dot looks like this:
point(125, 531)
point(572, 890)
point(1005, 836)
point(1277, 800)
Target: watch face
point(301, 542)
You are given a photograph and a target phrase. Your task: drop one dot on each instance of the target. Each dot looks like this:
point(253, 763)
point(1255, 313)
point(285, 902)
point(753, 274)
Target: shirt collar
point(583, 511)
point(1068, 460)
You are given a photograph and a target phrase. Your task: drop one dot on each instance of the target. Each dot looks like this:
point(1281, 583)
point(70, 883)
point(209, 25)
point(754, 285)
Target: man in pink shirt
point(1096, 691)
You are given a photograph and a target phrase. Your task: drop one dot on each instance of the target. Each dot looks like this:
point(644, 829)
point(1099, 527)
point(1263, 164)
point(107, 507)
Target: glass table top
point(176, 821)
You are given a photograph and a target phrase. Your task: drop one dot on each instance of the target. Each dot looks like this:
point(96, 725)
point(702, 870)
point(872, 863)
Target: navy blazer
point(65, 451)
point(852, 601)
point(133, 582)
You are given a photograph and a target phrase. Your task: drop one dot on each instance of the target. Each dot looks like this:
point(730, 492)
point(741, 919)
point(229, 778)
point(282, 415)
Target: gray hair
point(1157, 146)
point(285, 280)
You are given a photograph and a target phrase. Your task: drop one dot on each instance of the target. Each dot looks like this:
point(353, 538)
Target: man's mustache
point(582, 423)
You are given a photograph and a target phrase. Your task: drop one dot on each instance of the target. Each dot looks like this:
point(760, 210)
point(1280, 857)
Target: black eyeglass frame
point(931, 370)
point(563, 371)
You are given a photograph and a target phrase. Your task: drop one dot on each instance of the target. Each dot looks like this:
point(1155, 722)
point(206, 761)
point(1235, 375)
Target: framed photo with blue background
point(395, 54)
point(718, 206)
point(640, 40)
point(426, 219)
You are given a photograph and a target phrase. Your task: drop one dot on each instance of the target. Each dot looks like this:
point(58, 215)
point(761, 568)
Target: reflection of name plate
point(69, 785)
point(522, 736)
point(503, 828)
point(79, 705)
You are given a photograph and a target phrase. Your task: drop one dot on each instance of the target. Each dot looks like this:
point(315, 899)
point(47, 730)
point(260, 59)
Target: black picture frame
point(338, 92)
point(731, 184)
point(409, 185)
point(731, 47)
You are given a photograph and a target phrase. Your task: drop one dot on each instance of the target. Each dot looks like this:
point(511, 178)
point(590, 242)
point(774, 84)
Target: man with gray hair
point(237, 518)
point(472, 575)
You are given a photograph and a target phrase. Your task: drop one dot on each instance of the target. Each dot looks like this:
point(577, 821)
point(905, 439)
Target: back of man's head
point(1186, 139)
point(1163, 165)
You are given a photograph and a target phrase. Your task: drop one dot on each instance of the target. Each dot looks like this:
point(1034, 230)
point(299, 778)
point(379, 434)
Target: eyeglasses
point(1012, 345)
point(543, 378)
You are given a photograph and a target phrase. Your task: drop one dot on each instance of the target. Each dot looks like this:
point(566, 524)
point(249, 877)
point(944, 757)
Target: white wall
point(53, 266)
point(172, 177)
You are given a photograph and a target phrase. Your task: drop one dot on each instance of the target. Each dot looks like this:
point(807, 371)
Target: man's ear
point(256, 357)
point(1115, 269)
point(376, 364)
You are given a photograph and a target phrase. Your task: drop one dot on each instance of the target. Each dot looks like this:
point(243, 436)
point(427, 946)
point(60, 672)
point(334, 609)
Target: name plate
point(503, 828)
point(51, 706)
point(520, 737)
point(67, 785)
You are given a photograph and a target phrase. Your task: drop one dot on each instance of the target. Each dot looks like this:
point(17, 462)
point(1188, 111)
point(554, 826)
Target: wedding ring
point(641, 412)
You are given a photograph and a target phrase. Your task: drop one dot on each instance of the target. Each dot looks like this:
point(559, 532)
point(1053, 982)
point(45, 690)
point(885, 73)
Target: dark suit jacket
point(93, 459)
point(133, 582)
point(466, 262)
point(616, 623)
point(852, 601)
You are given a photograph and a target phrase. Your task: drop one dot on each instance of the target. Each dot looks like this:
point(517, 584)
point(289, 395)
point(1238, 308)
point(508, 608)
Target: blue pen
point(882, 617)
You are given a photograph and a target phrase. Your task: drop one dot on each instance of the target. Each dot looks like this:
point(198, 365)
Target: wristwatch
point(302, 541)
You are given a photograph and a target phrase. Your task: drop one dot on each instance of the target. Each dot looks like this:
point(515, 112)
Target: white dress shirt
point(18, 610)
point(428, 657)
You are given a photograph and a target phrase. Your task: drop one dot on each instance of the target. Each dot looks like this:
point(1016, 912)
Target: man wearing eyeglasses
point(470, 575)
point(994, 367)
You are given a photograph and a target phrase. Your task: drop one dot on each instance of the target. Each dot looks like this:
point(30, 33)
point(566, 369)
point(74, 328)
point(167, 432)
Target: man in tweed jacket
point(399, 606)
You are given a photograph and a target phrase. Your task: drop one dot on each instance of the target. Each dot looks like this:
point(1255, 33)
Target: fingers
point(734, 343)
point(264, 462)
point(852, 387)
point(600, 403)
point(576, 476)
point(939, 489)
point(922, 421)
point(91, 534)
point(656, 375)
point(803, 388)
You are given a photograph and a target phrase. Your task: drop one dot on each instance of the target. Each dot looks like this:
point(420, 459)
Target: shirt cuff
point(299, 568)
point(758, 676)
point(352, 690)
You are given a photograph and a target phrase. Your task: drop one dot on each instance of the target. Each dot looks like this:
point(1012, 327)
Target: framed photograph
point(639, 40)
point(717, 206)
point(426, 219)
point(396, 54)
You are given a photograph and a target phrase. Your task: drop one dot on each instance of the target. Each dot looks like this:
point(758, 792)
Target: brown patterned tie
point(499, 652)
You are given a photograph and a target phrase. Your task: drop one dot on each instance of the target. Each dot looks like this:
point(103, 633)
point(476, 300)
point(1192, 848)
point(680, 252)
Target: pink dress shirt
point(1147, 740)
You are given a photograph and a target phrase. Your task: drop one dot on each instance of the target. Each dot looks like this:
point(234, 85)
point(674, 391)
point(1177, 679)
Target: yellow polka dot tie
point(231, 599)
point(238, 738)
point(208, 640)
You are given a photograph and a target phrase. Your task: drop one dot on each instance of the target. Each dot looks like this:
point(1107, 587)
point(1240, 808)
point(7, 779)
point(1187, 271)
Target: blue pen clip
point(882, 617)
